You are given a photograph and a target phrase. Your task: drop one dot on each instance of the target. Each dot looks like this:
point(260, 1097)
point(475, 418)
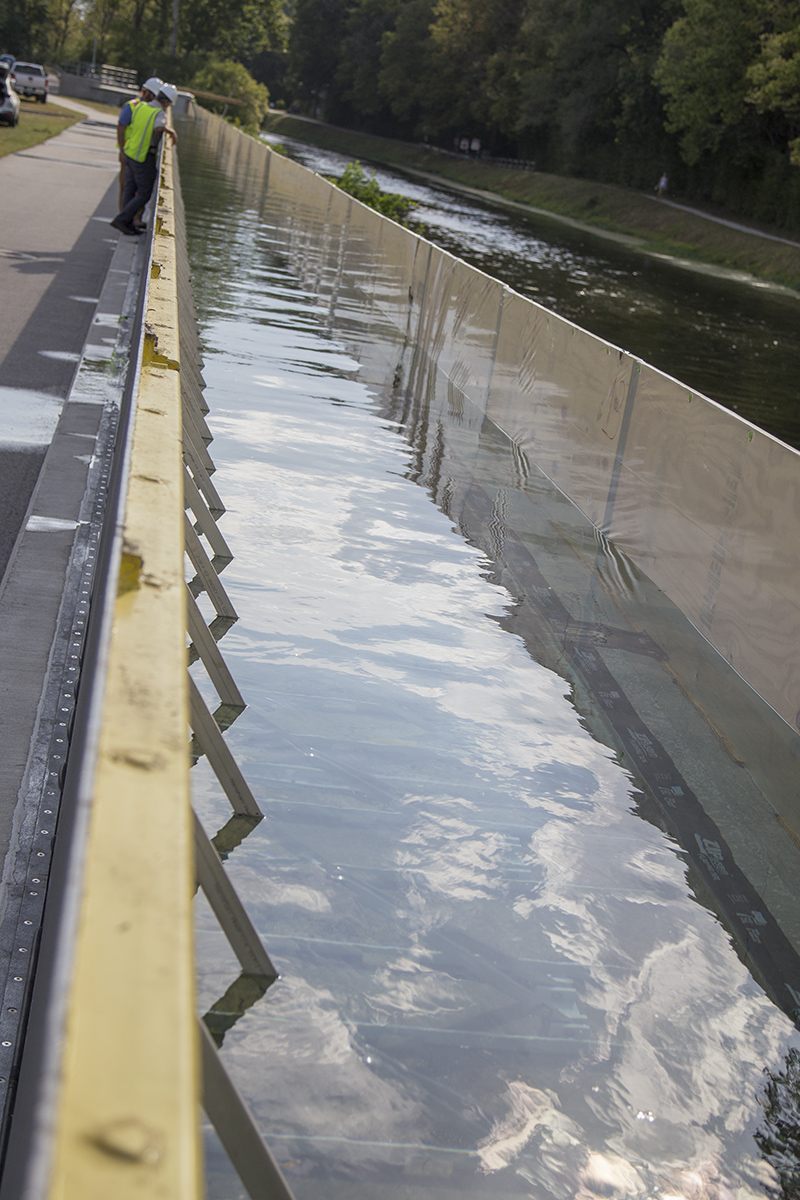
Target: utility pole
point(173, 39)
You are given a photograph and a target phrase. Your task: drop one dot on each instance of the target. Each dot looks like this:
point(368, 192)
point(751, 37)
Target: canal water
point(735, 342)
point(504, 969)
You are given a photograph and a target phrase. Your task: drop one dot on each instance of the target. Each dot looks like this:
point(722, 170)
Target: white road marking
point(49, 524)
point(28, 418)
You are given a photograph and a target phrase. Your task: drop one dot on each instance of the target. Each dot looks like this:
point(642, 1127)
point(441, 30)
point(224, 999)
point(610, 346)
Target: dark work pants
point(139, 180)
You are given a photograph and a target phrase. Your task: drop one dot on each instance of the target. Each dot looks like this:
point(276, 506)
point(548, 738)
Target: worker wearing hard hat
point(147, 95)
point(138, 139)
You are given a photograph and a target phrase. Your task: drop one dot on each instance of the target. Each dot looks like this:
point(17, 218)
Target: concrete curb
point(44, 605)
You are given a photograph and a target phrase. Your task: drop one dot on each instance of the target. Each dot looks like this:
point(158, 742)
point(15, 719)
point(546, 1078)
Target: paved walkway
point(698, 212)
point(65, 280)
point(55, 251)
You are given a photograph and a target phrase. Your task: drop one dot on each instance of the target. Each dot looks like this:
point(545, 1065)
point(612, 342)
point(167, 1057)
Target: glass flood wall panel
point(529, 861)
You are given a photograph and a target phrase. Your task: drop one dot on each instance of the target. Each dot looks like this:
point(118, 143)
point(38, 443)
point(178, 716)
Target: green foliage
point(704, 77)
point(407, 66)
point(25, 28)
point(614, 90)
point(225, 31)
point(355, 182)
point(138, 33)
point(774, 80)
point(315, 49)
point(360, 56)
point(779, 1137)
point(232, 79)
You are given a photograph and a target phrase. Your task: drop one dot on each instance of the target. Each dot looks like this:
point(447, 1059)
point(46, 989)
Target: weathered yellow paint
point(127, 1120)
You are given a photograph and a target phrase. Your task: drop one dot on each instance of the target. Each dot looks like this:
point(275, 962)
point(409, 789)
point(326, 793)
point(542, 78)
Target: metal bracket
point(205, 522)
point(228, 908)
point(236, 1128)
point(223, 764)
point(207, 651)
point(207, 579)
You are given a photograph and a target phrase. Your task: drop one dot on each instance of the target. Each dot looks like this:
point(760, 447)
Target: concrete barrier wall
point(705, 504)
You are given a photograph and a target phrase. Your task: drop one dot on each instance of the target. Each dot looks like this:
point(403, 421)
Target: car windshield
point(29, 69)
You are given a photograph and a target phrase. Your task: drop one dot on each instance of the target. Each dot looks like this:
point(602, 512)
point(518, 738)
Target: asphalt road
point(62, 292)
point(55, 251)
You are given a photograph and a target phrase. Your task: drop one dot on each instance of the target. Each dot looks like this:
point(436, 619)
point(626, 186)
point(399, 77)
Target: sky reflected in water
point(497, 978)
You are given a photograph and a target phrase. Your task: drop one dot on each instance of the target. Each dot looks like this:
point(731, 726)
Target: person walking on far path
point(661, 186)
point(138, 142)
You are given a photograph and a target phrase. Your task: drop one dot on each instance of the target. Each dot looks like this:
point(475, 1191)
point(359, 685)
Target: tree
point(24, 28)
point(774, 78)
point(226, 31)
point(703, 76)
point(585, 80)
point(232, 79)
point(407, 66)
point(474, 44)
point(358, 69)
point(314, 49)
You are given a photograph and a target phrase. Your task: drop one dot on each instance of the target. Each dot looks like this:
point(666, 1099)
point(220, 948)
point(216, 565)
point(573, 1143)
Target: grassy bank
point(103, 110)
point(637, 218)
point(37, 123)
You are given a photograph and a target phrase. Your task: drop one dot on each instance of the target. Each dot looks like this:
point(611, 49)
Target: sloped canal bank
point(733, 341)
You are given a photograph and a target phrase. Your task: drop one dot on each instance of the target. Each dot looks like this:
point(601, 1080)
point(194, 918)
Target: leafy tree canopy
point(232, 79)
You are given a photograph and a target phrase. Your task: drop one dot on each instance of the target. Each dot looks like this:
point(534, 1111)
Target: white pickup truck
point(30, 80)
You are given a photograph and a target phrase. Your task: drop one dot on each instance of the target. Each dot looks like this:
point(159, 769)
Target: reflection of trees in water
point(779, 1138)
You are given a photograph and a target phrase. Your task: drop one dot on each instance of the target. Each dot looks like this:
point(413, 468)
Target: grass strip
point(37, 123)
point(655, 228)
point(106, 110)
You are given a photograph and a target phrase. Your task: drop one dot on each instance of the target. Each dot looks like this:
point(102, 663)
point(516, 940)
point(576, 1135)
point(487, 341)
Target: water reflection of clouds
point(306, 1053)
point(451, 856)
point(410, 985)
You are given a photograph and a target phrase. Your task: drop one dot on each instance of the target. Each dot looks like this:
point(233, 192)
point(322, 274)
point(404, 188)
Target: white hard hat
point(153, 84)
point(169, 91)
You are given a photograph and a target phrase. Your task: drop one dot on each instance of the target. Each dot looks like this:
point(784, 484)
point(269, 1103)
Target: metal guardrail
point(116, 1064)
point(517, 164)
point(217, 96)
point(102, 73)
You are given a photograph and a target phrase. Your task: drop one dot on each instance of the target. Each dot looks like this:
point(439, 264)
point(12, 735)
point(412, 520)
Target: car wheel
point(43, 99)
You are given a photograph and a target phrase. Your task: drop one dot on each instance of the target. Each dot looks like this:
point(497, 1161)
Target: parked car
point(7, 60)
point(30, 79)
point(9, 100)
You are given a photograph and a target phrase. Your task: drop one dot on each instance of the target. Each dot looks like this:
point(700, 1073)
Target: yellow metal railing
point(127, 1122)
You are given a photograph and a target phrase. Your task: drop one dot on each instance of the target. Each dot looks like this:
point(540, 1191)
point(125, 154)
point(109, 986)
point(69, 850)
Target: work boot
point(124, 227)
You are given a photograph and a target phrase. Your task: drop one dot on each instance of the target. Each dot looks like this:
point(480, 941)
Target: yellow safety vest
point(140, 131)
